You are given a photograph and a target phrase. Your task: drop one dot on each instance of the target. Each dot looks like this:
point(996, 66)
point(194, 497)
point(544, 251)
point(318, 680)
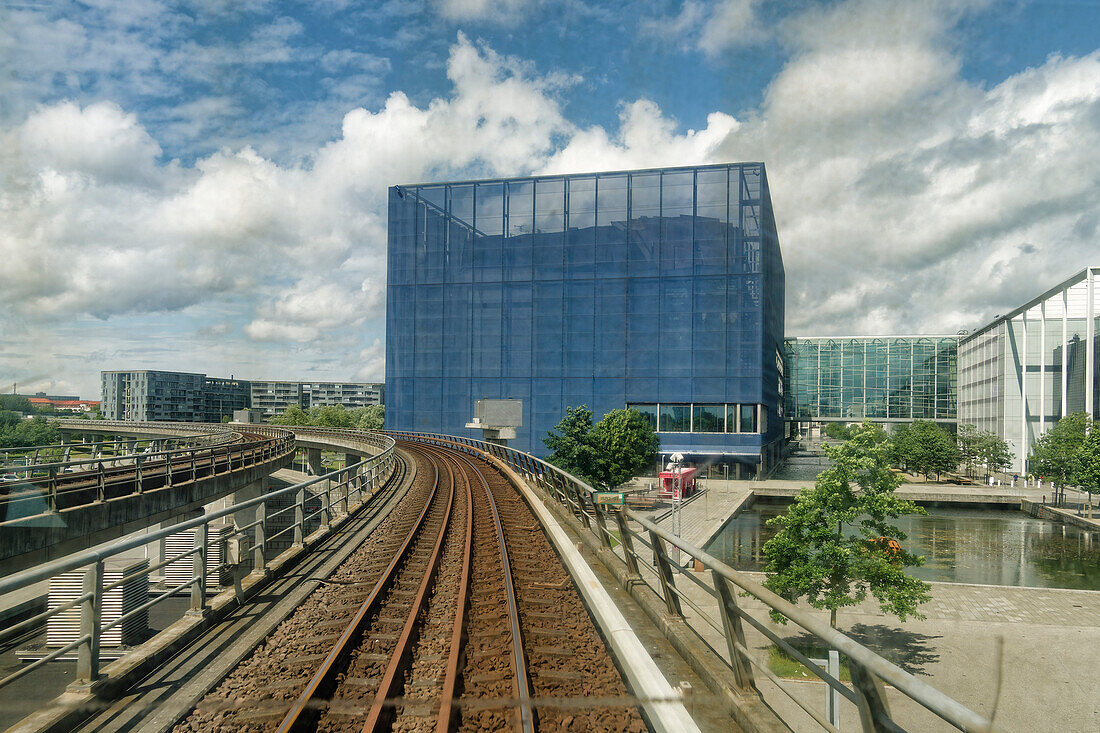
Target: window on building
point(675, 419)
point(649, 411)
point(747, 421)
point(709, 419)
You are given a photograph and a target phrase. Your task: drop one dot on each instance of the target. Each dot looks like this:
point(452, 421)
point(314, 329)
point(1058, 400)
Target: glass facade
point(658, 287)
point(888, 379)
point(1024, 371)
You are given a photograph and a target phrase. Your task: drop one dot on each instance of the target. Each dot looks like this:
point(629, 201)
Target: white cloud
point(646, 138)
point(101, 141)
point(908, 199)
point(370, 365)
point(500, 11)
point(711, 28)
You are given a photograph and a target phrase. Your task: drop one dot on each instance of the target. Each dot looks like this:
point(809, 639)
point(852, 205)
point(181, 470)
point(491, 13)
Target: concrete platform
point(703, 515)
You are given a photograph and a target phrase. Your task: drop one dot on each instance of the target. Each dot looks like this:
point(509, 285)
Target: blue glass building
point(658, 289)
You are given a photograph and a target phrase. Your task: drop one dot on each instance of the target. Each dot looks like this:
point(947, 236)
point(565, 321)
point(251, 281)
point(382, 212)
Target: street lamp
point(678, 497)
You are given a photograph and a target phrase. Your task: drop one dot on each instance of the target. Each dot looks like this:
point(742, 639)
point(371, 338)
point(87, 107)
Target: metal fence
point(69, 484)
point(341, 492)
point(14, 458)
point(647, 559)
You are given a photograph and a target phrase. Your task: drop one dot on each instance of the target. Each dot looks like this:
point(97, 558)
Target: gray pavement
point(1050, 638)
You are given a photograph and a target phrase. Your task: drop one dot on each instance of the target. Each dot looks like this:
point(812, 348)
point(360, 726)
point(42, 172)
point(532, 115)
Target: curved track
point(455, 615)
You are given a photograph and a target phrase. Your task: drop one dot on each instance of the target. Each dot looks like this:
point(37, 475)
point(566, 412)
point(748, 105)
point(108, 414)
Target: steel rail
point(380, 715)
point(522, 684)
point(447, 708)
point(322, 679)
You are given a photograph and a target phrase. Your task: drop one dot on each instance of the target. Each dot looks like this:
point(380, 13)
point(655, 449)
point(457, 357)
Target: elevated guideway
point(52, 509)
point(322, 513)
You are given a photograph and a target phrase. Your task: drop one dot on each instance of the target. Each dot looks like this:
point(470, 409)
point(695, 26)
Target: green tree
point(330, 416)
point(371, 417)
point(626, 444)
point(1055, 452)
point(293, 415)
point(1086, 468)
point(606, 454)
point(836, 431)
point(833, 546)
point(994, 453)
point(570, 445)
point(16, 403)
point(16, 432)
point(969, 440)
point(925, 447)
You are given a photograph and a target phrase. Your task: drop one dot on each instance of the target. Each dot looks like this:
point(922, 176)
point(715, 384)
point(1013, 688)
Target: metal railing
point(52, 487)
point(338, 493)
point(654, 566)
point(12, 458)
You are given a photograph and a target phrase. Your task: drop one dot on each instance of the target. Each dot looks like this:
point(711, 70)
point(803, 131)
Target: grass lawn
point(784, 665)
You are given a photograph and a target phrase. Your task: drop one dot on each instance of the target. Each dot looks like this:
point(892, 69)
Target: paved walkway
point(1050, 642)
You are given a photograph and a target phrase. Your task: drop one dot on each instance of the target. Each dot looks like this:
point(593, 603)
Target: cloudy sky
point(200, 185)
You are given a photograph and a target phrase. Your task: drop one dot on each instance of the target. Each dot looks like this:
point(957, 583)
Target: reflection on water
point(959, 545)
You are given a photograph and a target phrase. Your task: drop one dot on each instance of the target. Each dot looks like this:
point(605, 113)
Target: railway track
point(455, 615)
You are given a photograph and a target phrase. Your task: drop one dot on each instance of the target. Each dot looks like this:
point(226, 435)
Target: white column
point(1065, 350)
point(1042, 367)
point(1022, 351)
point(1090, 341)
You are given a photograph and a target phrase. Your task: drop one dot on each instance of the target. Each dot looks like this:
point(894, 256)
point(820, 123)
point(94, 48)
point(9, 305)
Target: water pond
point(991, 547)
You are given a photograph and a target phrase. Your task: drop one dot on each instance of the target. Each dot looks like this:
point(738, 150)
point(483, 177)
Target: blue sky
point(200, 185)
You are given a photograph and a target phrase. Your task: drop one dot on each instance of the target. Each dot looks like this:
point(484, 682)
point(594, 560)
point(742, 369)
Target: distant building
point(887, 379)
point(273, 398)
point(149, 395)
point(62, 404)
point(347, 394)
point(1027, 369)
point(222, 396)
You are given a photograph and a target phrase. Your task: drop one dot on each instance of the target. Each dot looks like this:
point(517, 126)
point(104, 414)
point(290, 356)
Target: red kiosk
point(673, 481)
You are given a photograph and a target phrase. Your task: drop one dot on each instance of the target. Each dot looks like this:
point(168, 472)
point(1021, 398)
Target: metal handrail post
point(258, 559)
point(627, 541)
point(198, 589)
point(52, 493)
point(91, 618)
point(299, 517)
point(101, 483)
point(326, 514)
point(581, 508)
point(605, 536)
point(137, 474)
point(871, 696)
point(664, 572)
point(735, 633)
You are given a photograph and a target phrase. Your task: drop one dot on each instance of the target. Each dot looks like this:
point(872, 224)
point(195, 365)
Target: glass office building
point(886, 379)
point(1021, 373)
point(661, 289)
